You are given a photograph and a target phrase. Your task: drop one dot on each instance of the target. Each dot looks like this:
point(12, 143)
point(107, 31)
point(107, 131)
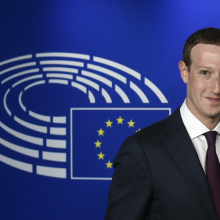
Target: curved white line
point(70, 55)
point(19, 149)
point(62, 62)
point(26, 79)
point(59, 119)
point(118, 66)
point(18, 67)
point(91, 97)
point(31, 126)
point(108, 72)
point(79, 86)
point(16, 59)
point(5, 104)
point(34, 84)
point(51, 171)
point(97, 77)
point(139, 92)
point(20, 74)
point(156, 90)
point(60, 69)
point(59, 157)
point(39, 117)
point(56, 143)
point(58, 81)
point(90, 178)
point(57, 131)
point(30, 139)
point(57, 75)
point(122, 94)
point(88, 82)
point(17, 164)
point(20, 101)
point(106, 96)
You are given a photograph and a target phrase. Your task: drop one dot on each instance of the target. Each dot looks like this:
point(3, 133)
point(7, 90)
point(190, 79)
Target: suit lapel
point(183, 151)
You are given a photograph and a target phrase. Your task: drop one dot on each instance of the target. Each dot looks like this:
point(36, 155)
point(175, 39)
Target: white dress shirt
point(195, 129)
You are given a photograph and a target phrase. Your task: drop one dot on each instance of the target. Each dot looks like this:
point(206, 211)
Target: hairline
point(190, 59)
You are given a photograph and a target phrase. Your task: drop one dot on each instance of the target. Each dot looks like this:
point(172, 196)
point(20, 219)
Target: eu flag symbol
point(97, 134)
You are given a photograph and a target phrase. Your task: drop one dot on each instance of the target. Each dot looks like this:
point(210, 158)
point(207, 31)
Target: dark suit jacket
point(158, 175)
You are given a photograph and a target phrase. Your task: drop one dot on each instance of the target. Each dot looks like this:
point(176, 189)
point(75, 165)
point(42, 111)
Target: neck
point(209, 122)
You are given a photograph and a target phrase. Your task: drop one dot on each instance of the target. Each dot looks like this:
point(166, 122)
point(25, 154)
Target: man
point(163, 172)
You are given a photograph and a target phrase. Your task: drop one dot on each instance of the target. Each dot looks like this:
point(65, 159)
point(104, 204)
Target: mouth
point(213, 100)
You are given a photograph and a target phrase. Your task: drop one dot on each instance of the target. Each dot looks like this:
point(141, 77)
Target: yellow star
point(108, 123)
point(120, 120)
point(98, 144)
point(131, 123)
point(101, 156)
point(101, 132)
point(109, 164)
point(138, 130)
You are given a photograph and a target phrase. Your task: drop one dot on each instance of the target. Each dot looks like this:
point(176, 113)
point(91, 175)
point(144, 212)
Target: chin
point(213, 116)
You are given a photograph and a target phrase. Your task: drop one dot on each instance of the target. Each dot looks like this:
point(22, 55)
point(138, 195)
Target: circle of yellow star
point(120, 120)
point(109, 164)
point(131, 123)
point(101, 132)
point(108, 123)
point(97, 143)
point(101, 156)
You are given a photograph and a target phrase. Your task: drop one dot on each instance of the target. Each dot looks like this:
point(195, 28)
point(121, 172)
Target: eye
point(204, 72)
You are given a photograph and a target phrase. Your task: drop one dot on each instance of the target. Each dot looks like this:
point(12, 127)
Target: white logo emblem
point(38, 141)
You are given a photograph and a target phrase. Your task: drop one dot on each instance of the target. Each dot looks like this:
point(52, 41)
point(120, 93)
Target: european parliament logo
point(65, 115)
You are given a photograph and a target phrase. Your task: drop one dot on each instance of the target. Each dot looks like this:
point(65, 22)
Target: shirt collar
point(194, 127)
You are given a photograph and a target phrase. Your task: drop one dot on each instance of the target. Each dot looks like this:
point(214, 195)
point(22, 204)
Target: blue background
point(146, 36)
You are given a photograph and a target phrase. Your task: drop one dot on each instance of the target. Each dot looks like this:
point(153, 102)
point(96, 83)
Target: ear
point(183, 71)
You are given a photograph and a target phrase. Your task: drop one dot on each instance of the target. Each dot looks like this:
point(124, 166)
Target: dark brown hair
point(205, 36)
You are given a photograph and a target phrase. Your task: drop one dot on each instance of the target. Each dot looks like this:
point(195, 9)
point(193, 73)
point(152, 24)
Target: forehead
point(206, 54)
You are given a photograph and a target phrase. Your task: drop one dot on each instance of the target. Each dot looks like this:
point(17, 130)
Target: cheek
point(199, 86)
point(196, 88)
point(202, 87)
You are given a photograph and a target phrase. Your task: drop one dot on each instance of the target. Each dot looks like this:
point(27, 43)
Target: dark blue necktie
point(213, 169)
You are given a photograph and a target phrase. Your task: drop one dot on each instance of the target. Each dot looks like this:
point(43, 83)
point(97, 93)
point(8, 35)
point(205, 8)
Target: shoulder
point(154, 135)
point(151, 132)
point(168, 126)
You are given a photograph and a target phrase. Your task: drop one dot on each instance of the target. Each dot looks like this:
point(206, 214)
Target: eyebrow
point(207, 67)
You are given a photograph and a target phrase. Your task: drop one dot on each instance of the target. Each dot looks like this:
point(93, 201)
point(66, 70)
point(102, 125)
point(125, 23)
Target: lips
point(214, 100)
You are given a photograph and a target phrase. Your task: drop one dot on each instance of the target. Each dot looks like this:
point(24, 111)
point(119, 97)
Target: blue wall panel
point(79, 67)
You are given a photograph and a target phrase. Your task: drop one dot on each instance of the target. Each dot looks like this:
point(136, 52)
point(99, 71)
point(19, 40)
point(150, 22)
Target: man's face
point(203, 82)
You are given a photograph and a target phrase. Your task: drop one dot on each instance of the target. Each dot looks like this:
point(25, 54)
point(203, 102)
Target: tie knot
point(210, 137)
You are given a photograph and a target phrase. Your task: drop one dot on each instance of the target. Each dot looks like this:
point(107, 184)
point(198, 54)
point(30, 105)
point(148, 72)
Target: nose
point(215, 88)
